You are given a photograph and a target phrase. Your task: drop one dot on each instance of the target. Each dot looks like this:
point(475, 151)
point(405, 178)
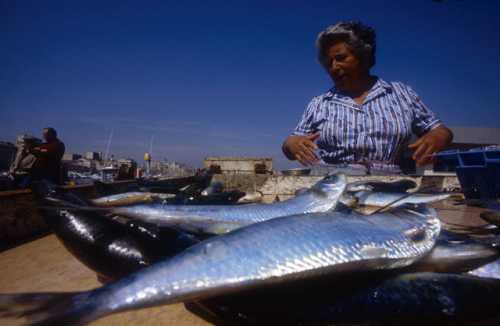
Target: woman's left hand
point(433, 141)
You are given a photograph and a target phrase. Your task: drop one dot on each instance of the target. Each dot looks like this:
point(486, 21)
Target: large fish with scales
point(279, 250)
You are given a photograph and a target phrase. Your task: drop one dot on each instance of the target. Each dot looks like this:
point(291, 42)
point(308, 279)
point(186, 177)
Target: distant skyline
point(213, 78)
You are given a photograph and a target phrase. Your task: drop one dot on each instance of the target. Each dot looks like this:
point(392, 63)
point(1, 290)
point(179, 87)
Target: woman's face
point(345, 69)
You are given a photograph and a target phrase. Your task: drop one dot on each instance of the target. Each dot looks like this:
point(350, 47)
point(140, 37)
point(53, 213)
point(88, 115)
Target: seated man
point(48, 158)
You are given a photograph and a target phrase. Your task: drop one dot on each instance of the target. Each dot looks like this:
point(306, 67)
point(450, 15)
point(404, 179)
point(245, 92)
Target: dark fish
point(214, 188)
point(491, 216)
point(174, 185)
point(108, 247)
point(375, 299)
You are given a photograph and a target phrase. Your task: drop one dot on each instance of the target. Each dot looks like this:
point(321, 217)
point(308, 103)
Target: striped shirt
point(375, 132)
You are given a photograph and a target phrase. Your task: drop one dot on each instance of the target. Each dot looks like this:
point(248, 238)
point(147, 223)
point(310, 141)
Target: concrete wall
point(238, 164)
point(280, 187)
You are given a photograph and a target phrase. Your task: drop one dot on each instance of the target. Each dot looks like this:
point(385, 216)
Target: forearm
point(433, 141)
point(444, 136)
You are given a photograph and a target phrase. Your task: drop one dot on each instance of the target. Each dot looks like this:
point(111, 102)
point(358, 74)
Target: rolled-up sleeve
point(308, 117)
point(423, 118)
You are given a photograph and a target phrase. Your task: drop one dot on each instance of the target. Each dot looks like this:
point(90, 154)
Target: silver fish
point(129, 198)
point(381, 186)
point(216, 219)
point(389, 199)
point(276, 251)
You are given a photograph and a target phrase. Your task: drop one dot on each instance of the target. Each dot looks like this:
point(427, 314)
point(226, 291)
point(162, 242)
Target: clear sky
point(225, 77)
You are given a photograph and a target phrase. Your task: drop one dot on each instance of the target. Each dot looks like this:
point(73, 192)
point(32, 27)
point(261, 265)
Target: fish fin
point(70, 308)
point(74, 207)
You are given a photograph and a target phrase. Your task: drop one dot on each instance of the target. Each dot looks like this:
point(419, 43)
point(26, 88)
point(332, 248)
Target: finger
point(299, 158)
point(311, 145)
point(419, 151)
point(308, 154)
point(426, 157)
point(305, 158)
point(416, 143)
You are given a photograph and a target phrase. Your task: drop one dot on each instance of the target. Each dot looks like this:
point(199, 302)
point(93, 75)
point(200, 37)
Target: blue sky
point(225, 77)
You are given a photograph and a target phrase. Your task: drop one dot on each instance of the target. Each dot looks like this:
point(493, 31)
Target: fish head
point(331, 187)
point(358, 186)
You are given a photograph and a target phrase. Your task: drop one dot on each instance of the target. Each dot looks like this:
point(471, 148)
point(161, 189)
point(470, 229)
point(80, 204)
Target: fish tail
point(49, 193)
point(40, 309)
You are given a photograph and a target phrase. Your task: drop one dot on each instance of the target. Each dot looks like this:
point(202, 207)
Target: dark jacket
point(48, 161)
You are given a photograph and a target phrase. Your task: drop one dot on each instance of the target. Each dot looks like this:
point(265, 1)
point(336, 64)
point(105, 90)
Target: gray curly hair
point(359, 38)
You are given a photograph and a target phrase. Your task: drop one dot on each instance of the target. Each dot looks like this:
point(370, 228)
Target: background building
point(95, 156)
point(71, 157)
point(233, 164)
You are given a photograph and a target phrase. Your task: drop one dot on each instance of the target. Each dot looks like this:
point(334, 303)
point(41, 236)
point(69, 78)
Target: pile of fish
point(317, 258)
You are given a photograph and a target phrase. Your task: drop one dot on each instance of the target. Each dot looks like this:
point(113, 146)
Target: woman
point(362, 119)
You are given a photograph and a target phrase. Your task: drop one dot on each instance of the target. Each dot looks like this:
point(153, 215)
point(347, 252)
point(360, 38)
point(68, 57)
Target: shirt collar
point(379, 88)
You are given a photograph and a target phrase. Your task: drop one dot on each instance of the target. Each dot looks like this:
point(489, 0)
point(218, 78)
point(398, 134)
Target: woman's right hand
point(301, 148)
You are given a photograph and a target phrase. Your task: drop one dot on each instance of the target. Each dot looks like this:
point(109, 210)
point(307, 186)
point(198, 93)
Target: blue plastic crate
point(478, 171)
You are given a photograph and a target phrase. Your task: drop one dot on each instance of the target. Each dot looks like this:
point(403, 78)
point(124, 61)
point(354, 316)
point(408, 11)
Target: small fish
point(389, 199)
point(381, 186)
point(191, 184)
point(130, 198)
point(277, 251)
